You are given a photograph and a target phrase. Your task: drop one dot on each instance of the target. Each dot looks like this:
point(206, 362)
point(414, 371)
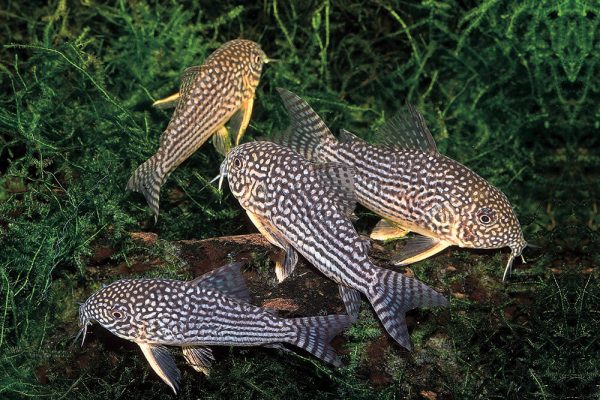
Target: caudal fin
point(395, 294)
point(315, 333)
point(147, 180)
point(306, 134)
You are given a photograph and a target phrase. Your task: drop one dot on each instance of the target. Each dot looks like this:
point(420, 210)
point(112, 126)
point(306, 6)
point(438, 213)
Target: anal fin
point(198, 357)
point(285, 267)
point(419, 248)
point(278, 346)
point(162, 363)
point(386, 230)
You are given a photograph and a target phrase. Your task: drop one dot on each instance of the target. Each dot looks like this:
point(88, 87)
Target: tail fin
point(307, 134)
point(147, 180)
point(395, 294)
point(315, 333)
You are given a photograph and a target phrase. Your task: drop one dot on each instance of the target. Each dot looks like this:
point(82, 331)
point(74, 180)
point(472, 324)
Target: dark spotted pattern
point(289, 192)
point(413, 184)
point(206, 311)
point(210, 95)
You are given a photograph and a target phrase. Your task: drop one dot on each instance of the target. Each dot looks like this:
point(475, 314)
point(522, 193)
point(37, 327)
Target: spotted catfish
point(411, 185)
point(220, 90)
point(305, 208)
point(210, 310)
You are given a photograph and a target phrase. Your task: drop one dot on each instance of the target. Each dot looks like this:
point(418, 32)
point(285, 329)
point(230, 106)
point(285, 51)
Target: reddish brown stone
point(146, 238)
point(281, 304)
point(428, 394)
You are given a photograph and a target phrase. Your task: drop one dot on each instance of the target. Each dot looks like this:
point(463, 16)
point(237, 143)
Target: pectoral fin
point(222, 141)
point(162, 363)
point(285, 267)
point(200, 358)
point(419, 248)
point(167, 102)
point(386, 230)
point(240, 120)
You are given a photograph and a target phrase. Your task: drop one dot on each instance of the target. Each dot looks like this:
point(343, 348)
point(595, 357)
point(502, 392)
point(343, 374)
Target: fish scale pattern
point(296, 200)
point(175, 313)
point(409, 182)
point(210, 310)
point(210, 95)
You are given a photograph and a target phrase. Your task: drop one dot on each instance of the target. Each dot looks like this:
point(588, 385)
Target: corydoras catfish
point(212, 309)
point(408, 182)
point(305, 208)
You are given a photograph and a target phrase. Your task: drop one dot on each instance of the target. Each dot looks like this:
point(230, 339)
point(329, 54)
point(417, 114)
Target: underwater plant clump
point(509, 90)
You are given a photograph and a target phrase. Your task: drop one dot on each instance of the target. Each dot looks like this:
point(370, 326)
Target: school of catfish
point(300, 192)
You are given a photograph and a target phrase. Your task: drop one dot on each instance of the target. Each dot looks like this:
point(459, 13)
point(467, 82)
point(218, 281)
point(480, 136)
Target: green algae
point(510, 89)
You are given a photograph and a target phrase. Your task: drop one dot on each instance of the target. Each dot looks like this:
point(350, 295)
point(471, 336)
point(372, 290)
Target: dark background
point(510, 89)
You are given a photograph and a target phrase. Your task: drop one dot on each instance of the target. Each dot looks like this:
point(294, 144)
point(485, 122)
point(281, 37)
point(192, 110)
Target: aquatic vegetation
point(509, 89)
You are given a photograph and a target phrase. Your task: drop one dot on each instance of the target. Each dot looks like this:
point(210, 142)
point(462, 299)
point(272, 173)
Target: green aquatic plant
point(508, 88)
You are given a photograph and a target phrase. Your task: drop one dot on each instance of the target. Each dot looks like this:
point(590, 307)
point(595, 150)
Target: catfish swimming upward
point(210, 310)
point(411, 185)
point(220, 90)
point(305, 208)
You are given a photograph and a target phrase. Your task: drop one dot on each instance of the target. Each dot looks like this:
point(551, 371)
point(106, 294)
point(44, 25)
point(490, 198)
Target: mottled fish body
point(210, 310)
point(220, 90)
point(305, 208)
point(411, 185)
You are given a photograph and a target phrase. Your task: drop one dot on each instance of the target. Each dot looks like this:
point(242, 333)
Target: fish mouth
point(516, 251)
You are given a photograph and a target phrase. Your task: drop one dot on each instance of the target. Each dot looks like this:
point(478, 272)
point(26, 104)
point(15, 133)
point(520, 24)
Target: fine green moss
point(508, 88)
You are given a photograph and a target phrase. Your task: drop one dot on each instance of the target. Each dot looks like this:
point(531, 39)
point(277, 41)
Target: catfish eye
point(118, 313)
point(485, 216)
point(237, 162)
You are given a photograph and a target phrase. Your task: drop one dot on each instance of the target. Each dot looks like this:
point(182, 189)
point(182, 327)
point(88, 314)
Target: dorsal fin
point(227, 280)
point(307, 132)
point(187, 78)
point(347, 137)
point(339, 179)
point(407, 130)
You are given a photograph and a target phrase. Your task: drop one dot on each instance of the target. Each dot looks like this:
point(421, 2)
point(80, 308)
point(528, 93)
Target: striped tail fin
point(147, 180)
point(395, 294)
point(306, 134)
point(315, 333)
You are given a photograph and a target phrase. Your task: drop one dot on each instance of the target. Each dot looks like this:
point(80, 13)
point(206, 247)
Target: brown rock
point(428, 394)
point(281, 304)
point(145, 238)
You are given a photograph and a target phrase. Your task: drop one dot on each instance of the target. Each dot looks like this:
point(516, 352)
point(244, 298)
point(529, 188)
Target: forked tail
point(315, 333)
point(147, 180)
point(393, 295)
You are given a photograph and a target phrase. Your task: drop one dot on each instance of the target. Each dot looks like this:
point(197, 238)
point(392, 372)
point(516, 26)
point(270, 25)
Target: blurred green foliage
point(508, 88)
